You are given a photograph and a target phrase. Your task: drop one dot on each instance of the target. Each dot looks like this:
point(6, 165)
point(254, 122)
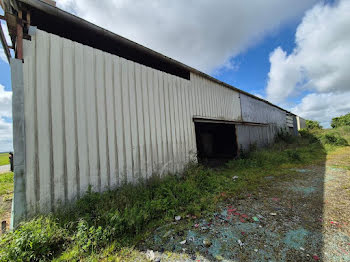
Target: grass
point(98, 225)
point(4, 159)
point(6, 192)
point(6, 183)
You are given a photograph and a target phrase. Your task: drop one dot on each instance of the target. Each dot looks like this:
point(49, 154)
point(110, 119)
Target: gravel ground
point(303, 216)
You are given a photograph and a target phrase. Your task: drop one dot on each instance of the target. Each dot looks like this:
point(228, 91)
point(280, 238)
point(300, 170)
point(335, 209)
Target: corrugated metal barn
point(93, 108)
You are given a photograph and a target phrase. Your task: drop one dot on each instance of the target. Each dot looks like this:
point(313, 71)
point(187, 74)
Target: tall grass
point(4, 159)
point(121, 217)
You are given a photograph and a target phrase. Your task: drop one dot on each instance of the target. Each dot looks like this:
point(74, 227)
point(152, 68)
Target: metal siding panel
point(140, 120)
point(157, 109)
point(182, 126)
point(200, 95)
point(70, 120)
point(188, 120)
point(44, 127)
point(90, 93)
point(117, 86)
point(164, 168)
point(173, 123)
point(111, 130)
point(30, 125)
point(152, 119)
point(58, 135)
point(100, 87)
point(81, 107)
point(177, 125)
point(126, 121)
point(167, 96)
point(184, 119)
point(133, 122)
point(146, 115)
point(257, 111)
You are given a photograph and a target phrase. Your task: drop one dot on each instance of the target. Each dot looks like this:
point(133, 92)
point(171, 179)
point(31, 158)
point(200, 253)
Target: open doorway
point(216, 142)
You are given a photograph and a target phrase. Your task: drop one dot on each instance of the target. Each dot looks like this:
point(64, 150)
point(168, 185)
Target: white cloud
point(5, 102)
point(319, 64)
point(5, 136)
point(323, 106)
point(2, 55)
point(5, 127)
point(203, 34)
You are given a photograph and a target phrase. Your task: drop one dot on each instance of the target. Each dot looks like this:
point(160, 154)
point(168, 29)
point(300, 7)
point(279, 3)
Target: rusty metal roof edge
point(55, 11)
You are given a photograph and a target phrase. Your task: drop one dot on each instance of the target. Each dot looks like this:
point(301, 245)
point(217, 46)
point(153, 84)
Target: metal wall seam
point(110, 122)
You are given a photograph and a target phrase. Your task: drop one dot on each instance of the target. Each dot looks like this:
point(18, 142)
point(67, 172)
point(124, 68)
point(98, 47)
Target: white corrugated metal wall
point(271, 119)
point(92, 118)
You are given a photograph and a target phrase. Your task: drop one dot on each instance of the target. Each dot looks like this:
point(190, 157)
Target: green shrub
point(341, 121)
point(40, 239)
point(284, 136)
point(312, 138)
point(311, 124)
point(334, 139)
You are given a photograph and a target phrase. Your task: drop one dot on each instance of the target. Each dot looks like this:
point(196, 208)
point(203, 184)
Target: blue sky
point(253, 65)
point(292, 53)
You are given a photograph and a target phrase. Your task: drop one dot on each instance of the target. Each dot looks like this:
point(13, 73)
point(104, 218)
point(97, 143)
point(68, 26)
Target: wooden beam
point(2, 17)
point(19, 41)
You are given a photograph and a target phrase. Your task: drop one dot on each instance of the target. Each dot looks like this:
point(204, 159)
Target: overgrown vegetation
point(102, 224)
point(330, 138)
point(6, 192)
point(4, 159)
point(312, 125)
point(6, 183)
point(341, 121)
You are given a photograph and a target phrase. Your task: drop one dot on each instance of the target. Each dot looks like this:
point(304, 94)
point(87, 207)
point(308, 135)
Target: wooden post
point(19, 41)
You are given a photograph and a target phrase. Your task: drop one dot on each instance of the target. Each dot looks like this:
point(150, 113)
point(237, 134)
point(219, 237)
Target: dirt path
point(303, 216)
point(4, 169)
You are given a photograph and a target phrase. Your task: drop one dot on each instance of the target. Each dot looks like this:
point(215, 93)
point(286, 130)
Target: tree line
point(336, 122)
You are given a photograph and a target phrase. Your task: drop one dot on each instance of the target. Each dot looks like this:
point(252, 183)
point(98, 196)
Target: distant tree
point(311, 124)
point(341, 121)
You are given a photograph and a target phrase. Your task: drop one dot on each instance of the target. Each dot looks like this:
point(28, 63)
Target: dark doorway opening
point(216, 142)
